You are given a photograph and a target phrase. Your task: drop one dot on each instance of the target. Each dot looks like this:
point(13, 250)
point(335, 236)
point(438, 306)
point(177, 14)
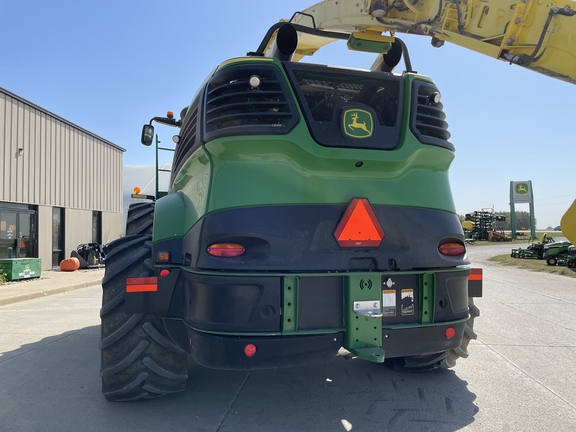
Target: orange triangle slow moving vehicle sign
point(359, 227)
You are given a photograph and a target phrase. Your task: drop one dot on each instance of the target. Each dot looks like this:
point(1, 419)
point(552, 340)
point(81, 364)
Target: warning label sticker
point(388, 303)
point(407, 302)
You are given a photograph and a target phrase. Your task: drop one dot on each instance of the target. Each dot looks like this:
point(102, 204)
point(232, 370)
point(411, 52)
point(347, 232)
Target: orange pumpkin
point(69, 264)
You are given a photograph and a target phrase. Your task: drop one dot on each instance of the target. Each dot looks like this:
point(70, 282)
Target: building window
point(57, 236)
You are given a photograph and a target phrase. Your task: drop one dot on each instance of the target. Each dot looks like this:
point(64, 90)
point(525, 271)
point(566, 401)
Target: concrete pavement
point(519, 377)
point(50, 282)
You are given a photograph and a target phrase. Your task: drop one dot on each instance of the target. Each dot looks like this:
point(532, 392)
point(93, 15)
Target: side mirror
point(147, 135)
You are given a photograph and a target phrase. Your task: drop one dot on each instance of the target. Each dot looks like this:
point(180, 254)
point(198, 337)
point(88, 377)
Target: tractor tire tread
point(159, 370)
point(140, 218)
point(129, 261)
point(131, 358)
point(161, 340)
point(127, 388)
point(113, 304)
point(138, 358)
point(126, 328)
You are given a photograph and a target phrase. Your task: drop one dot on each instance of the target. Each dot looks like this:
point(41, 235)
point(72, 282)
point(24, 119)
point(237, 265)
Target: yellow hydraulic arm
point(537, 34)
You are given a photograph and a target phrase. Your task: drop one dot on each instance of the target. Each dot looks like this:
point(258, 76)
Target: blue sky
point(110, 66)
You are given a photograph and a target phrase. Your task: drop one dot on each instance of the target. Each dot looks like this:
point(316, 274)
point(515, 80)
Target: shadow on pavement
point(54, 385)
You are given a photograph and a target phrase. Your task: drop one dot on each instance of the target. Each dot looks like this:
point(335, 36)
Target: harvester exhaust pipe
point(286, 42)
point(388, 61)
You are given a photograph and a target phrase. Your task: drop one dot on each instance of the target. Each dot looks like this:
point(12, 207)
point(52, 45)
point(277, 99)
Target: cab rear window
point(342, 105)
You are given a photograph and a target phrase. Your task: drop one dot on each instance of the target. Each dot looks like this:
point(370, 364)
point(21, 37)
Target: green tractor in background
point(560, 253)
point(534, 249)
point(309, 209)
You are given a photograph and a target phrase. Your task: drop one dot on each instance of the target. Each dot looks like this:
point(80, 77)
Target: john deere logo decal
point(521, 188)
point(357, 124)
point(521, 191)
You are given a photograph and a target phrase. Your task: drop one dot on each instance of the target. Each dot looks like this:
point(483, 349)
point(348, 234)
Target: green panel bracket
point(428, 297)
point(367, 45)
point(363, 316)
point(290, 305)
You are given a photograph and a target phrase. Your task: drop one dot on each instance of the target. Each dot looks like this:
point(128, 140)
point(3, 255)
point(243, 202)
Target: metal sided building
point(61, 185)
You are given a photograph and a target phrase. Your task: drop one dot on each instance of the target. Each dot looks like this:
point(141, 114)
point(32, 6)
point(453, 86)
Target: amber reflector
point(164, 257)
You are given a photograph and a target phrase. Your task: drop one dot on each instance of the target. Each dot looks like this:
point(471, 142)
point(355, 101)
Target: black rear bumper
point(227, 352)
point(302, 319)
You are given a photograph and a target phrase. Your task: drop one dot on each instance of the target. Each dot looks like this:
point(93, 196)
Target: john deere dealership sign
point(522, 191)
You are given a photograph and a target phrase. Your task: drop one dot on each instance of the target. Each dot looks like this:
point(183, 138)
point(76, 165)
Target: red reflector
point(359, 227)
point(475, 274)
point(450, 332)
point(226, 250)
point(165, 272)
point(141, 284)
point(250, 350)
point(452, 249)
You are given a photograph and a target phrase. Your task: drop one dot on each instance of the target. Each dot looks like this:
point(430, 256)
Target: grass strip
point(533, 265)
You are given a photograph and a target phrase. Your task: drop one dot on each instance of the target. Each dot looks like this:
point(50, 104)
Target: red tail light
point(226, 250)
point(452, 249)
point(250, 350)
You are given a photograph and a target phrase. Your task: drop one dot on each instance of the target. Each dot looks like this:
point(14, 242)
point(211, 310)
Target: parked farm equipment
point(534, 250)
point(90, 255)
point(481, 225)
point(559, 253)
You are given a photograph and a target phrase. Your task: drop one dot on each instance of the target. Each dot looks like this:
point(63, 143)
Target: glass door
point(8, 233)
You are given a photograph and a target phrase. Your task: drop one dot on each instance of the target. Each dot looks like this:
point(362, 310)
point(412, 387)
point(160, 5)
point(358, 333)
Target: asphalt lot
point(520, 374)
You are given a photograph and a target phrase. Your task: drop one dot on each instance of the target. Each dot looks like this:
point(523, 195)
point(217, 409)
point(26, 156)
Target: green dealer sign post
point(521, 193)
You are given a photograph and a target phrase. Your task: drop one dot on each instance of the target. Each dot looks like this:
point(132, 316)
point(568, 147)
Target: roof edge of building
point(45, 111)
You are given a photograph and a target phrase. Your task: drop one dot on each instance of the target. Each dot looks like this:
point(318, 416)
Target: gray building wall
point(49, 162)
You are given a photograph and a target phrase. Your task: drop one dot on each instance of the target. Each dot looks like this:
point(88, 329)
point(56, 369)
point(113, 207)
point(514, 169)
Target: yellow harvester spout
point(568, 223)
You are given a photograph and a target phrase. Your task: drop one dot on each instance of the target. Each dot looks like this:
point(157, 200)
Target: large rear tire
point(138, 358)
point(462, 351)
point(140, 218)
point(428, 362)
